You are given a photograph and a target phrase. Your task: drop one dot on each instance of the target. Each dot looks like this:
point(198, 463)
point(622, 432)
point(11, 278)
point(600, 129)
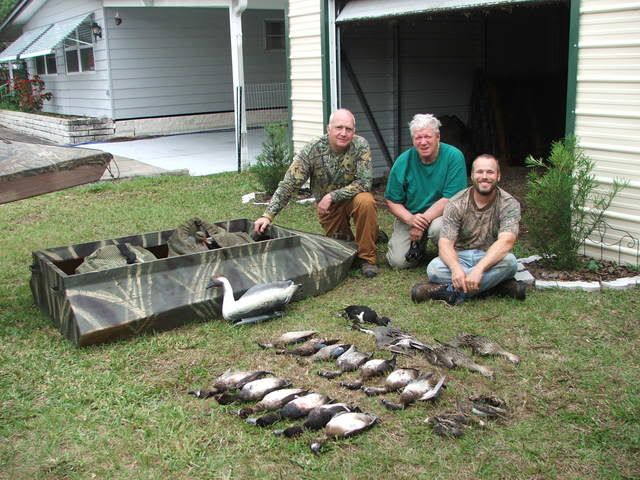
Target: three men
point(338, 165)
point(421, 182)
point(479, 229)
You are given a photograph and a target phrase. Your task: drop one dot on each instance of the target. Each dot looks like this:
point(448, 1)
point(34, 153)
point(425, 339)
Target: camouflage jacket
point(473, 228)
point(343, 174)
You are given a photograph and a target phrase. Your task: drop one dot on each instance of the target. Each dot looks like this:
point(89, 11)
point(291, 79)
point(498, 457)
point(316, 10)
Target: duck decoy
point(308, 348)
point(317, 418)
point(273, 401)
point(349, 361)
point(363, 314)
point(421, 389)
point(396, 380)
point(288, 338)
point(484, 346)
point(330, 352)
point(445, 355)
point(296, 408)
point(253, 391)
point(229, 380)
point(259, 303)
point(343, 425)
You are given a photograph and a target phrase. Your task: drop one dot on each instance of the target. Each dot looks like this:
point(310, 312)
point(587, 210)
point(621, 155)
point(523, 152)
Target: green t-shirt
point(418, 186)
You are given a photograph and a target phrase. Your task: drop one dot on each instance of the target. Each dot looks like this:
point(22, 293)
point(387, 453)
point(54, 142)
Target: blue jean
point(438, 272)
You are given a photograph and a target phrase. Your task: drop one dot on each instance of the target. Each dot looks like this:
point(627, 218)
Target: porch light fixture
point(96, 30)
point(117, 18)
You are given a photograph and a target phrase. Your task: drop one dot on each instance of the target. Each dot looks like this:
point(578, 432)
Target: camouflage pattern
point(28, 169)
point(110, 256)
point(345, 174)
point(105, 305)
point(196, 235)
point(472, 228)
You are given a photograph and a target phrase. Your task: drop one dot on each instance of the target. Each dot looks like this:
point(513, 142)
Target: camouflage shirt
point(474, 228)
point(342, 174)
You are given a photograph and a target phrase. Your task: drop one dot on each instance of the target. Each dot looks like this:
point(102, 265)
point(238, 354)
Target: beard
point(487, 191)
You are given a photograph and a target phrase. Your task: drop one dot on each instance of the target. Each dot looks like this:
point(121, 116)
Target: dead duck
point(349, 361)
point(288, 338)
point(452, 424)
point(344, 425)
point(484, 346)
point(330, 352)
point(421, 389)
point(394, 339)
point(363, 314)
point(229, 380)
point(489, 406)
point(253, 391)
point(396, 380)
point(273, 401)
point(445, 355)
point(308, 348)
point(259, 303)
point(317, 419)
point(371, 368)
point(296, 408)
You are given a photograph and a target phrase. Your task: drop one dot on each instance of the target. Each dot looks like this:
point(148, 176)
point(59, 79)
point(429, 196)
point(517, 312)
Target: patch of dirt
point(589, 271)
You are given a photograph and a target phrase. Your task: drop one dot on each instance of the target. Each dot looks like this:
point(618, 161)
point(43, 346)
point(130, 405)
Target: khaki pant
point(400, 242)
point(362, 208)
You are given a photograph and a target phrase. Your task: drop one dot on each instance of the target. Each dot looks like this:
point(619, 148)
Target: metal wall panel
point(608, 116)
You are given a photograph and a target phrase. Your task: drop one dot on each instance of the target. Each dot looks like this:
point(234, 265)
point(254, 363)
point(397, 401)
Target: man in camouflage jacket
point(479, 229)
point(338, 166)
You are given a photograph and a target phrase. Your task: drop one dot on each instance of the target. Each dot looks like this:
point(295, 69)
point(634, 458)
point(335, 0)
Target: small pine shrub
point(563, 208)
point(274, 159)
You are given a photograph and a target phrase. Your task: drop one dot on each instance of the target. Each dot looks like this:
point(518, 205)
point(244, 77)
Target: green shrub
point(563, 208)
point(274, 159)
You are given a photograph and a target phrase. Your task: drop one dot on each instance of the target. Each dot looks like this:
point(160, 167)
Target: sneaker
point(510, 288)
point(369, 270)
point(423, 291)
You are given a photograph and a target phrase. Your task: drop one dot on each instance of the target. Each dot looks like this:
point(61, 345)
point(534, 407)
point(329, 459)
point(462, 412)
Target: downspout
point(236, 7)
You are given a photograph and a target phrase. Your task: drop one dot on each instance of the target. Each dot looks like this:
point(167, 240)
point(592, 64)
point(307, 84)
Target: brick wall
point(60, 130)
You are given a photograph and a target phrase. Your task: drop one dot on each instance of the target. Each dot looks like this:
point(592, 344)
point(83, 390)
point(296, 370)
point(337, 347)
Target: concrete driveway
point(197, 154)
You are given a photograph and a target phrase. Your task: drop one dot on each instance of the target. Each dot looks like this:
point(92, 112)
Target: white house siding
point(173, 61)
point(608, 115)
point(305, 55)
point(75, 93)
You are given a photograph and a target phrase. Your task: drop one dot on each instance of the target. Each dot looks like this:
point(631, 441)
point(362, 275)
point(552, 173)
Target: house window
point(274, 34)
point(78, 48)
point(46, 64)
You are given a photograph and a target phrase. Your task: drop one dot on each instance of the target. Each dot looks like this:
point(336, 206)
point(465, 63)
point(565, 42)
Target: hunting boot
point(510, 288)
point(423, 291)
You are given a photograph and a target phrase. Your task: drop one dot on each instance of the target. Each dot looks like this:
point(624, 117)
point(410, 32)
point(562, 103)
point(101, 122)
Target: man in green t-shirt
point(421, 182)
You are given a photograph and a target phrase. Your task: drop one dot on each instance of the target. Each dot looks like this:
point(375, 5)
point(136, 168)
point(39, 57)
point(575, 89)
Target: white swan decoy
point(261, 302)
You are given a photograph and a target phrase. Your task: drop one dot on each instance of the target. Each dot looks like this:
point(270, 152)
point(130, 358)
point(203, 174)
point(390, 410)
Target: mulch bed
point(605, 271)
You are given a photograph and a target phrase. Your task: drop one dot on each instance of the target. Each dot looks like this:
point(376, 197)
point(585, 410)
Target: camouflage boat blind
point(104, 305)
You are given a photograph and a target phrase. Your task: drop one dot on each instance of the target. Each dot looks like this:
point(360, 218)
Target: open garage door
point(494, 72)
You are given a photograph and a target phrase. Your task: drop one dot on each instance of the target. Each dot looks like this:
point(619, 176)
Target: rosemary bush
point(275, 158)
point(563, 207)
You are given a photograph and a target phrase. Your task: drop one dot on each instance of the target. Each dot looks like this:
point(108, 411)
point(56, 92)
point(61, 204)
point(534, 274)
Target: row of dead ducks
point(275, 395)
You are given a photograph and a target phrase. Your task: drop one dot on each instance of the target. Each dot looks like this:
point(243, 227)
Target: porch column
point(236, 7)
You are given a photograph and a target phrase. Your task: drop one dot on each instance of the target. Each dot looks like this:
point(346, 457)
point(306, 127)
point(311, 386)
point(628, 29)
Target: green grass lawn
point(120, 410)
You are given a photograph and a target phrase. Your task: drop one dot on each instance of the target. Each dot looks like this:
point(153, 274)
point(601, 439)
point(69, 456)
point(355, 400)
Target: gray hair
point(421, 121)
